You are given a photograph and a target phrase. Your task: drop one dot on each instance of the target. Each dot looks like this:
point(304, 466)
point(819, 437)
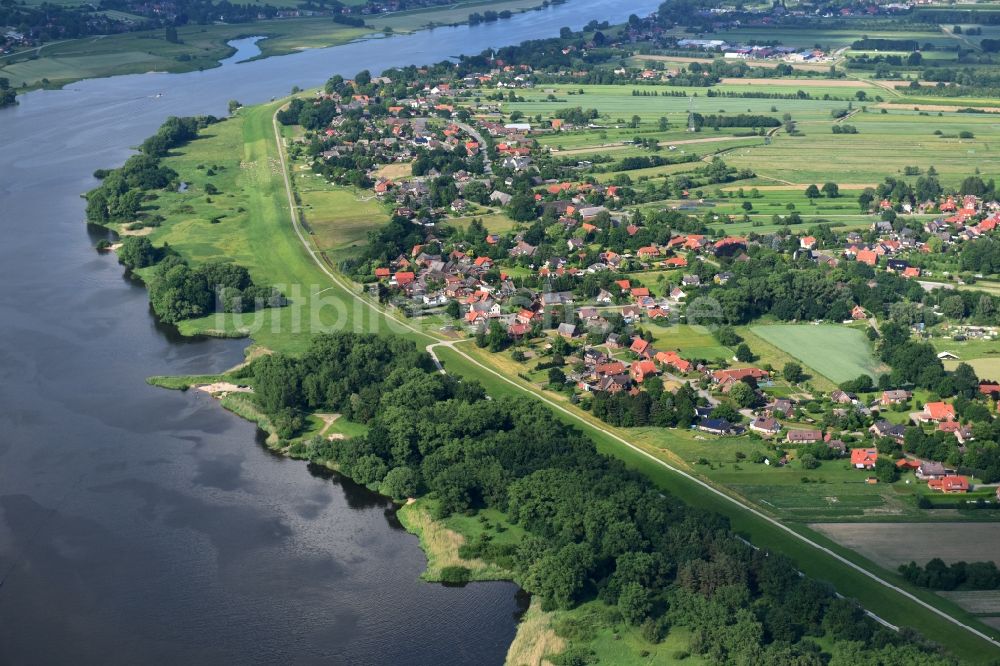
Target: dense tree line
point(594, 529)
point(122, 191)
point(8, 96)
point(653, 406)
point(177, 291)
point(739, 120)
point(958, 576)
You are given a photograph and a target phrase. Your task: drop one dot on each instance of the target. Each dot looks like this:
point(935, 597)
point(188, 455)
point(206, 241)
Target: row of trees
point(958, 576)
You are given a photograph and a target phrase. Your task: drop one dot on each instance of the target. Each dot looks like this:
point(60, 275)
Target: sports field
point(836, 352)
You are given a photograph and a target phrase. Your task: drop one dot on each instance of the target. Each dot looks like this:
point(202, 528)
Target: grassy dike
point(255, 230)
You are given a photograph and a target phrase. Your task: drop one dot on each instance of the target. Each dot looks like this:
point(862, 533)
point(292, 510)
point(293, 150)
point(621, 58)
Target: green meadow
point(252, 227)
point(887, 140)
point(836, 352)
point(199, 47)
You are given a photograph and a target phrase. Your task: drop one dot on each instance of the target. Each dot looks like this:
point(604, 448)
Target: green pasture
point(836, 352)
point(827, 39)
point(254, 230)
point(200, 47)
point(690, 341)
point(339, 218)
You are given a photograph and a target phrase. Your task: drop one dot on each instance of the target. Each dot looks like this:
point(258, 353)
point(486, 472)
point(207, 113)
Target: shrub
point(455, 575)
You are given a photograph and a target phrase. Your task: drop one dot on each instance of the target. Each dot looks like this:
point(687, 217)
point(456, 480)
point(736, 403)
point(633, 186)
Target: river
point(144, 526)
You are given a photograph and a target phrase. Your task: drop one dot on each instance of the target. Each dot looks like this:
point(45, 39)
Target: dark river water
point(143, 526)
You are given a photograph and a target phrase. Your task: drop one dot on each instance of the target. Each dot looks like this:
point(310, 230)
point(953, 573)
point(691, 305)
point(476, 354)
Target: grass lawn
point(836, 352)
point(689, 340)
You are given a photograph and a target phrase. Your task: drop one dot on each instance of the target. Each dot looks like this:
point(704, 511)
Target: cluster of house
point(939, 478)
point(756, 52)
point(606, 374)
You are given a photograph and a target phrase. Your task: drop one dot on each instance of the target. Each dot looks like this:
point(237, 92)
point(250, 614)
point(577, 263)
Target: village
point(587, 286)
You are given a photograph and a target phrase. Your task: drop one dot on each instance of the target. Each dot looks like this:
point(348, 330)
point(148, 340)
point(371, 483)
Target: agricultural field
point(837, 352)
point(986, 368)
point(980, 602)
point(339, 218)
point(831, 40)
point(892, 544)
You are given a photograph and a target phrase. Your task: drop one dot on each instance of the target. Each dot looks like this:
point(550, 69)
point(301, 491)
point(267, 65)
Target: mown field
point(890, 544)
point(836, 352)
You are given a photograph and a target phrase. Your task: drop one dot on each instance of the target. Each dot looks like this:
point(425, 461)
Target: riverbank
point(201, 47)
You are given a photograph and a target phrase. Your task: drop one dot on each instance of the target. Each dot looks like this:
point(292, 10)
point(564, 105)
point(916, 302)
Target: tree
point(400, 483)
point(743, 353)
point(522, 208)
point(557, 377)
point(812, 192)
point(743, 394)
point(234, 106)
point(953, 307)
point(886, 471)
point(170, 34)
point(831, 190)
point(137, 252)
point(792, 372)
point(634, 603)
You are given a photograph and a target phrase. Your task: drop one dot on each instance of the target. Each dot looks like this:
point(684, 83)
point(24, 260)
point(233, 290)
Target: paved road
point(474, 133)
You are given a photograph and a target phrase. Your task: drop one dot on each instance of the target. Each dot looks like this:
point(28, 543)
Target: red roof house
point(864, 458)
point(950, 484)
point(937, 411)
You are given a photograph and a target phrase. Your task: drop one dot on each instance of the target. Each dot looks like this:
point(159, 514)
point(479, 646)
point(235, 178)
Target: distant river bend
point(145, 526)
